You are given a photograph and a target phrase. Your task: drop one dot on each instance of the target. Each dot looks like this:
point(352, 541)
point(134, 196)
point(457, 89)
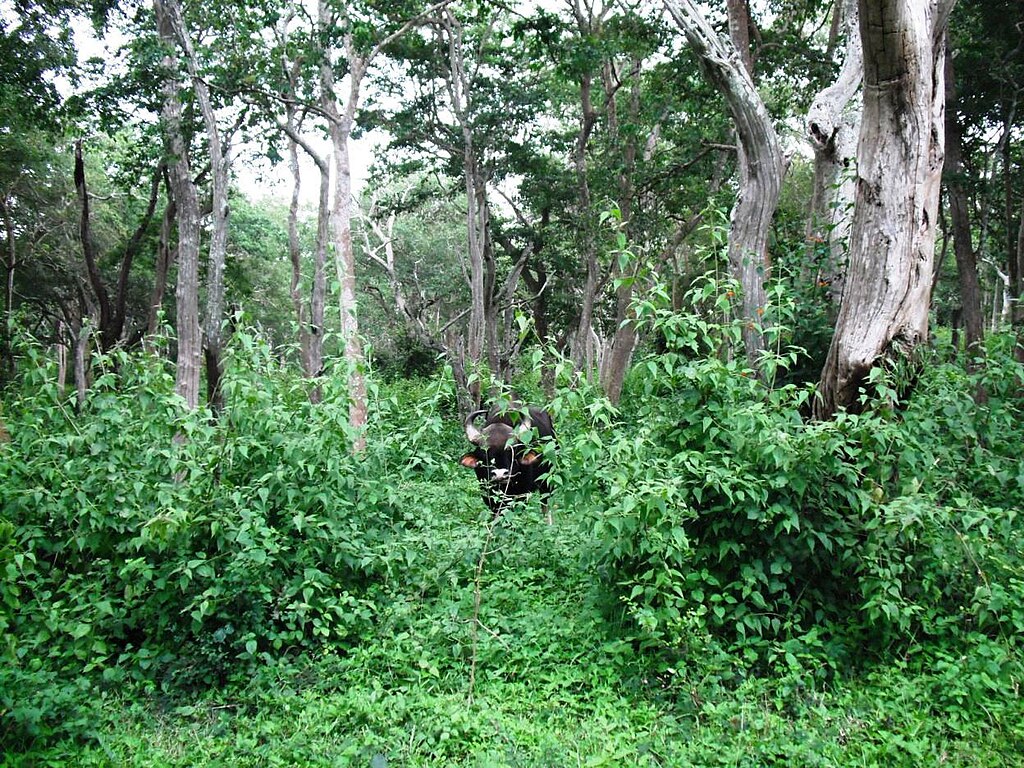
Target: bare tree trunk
point(89, 249)
point(112, 313)
point(966, 261)
point(481, 335)
point(738, 12)
point(584, 349)
point(478, 333)
point(761, 164)
point(214, 320)
point(189, 362)
point(1018, 291)
point(220, 165)
point(341, 118)
point(80, 333)
point(884, 309)
point(311, 327)
point(345, 259)
point(318, 290)
point(833, 122)
point(619, 352)
point(10, 266)
point(295, 249)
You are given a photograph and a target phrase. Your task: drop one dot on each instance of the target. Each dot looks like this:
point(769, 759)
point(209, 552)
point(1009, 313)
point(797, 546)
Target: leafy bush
point(141, 542)
point(718, 508)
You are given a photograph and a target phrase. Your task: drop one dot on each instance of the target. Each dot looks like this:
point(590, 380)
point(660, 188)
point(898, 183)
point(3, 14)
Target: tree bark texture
point(213, 341)
point(341, 118)
point(761, 164)
point(189, 358)
point(833, 124)
point(883, 314)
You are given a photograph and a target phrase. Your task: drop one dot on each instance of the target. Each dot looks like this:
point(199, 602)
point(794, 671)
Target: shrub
point(717, 508)
point(142, 542)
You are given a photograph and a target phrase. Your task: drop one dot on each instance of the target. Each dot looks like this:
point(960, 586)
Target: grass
point(559, 683)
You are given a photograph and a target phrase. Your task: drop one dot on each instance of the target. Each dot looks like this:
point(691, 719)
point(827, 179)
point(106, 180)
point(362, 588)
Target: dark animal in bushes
point(504, 463)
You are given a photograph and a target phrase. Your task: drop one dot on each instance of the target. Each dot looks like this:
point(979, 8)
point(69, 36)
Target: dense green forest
point(760, 265)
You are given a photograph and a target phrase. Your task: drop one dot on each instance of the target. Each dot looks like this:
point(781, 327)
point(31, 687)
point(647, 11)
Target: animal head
point(500, 452)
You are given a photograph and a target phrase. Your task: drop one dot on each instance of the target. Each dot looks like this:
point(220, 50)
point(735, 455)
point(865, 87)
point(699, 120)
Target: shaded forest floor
point(551, 679)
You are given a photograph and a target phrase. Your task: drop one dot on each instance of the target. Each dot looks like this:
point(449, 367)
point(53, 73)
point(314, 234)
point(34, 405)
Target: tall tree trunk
point(10, 265)
point(481, 335)
point(1009, 206)
point(213, 346)
point(585, 346)
point(310, 317)
point(584, 350)
point(619, 352)
point(311, 326)
point(761, 164)
point(89, 250)
point(80, 334)
point(883, 315)
point(833, 122)
point(295, 249)
point(963, 248)
point(341, 217)
point(478, 332)
point(190, 347)
point(1018, 291)
point(213, 341)
point(61, 352)
point(341, 118)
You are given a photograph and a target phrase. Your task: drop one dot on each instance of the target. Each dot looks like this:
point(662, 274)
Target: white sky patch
point(254, 174)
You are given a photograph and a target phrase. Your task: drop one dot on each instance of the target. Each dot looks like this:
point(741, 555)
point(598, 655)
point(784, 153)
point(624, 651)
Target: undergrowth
point(725, 583)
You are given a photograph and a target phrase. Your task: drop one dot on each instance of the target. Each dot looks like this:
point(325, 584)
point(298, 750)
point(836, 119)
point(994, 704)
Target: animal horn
point(474, 435)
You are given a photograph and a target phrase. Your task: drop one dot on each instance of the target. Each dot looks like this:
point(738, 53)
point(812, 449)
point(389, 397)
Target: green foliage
point(718, 510)
point(143, 544)
point(724, 582)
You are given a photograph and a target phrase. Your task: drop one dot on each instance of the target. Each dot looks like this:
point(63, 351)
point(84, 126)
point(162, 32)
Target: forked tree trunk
point(112, 311)
point(883, 315)
point(761, 164)
point(213, 341)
